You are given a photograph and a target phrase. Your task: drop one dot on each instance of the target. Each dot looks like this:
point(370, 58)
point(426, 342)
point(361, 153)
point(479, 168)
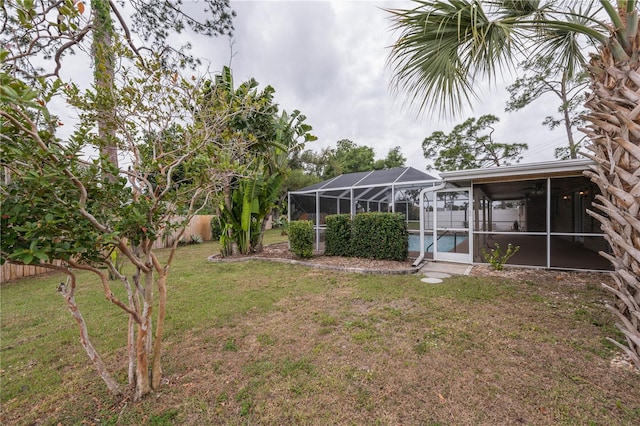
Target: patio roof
point(520, 171)
point(517, 181)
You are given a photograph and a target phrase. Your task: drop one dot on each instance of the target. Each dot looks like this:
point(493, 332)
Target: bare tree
point(541, 77)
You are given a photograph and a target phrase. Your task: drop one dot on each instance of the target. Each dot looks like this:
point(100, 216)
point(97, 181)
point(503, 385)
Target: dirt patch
point(280, 251)
point(534, 274)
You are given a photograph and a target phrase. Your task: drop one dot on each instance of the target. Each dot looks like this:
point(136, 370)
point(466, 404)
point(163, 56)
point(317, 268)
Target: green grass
point(270, 343)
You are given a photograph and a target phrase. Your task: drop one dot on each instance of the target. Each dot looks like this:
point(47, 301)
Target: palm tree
point(446, 46)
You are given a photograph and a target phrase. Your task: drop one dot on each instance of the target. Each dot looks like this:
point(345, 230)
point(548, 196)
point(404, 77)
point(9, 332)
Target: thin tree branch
point(107, 289)
point(58, 56)
point(127, 33)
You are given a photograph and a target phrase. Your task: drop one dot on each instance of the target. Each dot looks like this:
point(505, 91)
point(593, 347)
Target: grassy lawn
point(269, 343)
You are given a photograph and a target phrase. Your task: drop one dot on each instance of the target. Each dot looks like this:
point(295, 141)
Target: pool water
point(445, 243)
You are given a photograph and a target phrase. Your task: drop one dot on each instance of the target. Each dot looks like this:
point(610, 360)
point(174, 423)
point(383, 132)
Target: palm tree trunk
point(614, 135)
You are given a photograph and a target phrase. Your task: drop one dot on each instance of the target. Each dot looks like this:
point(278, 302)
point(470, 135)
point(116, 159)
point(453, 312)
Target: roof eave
point(518, 170)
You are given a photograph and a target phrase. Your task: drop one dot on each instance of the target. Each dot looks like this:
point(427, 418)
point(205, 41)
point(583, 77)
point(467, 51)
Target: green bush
point(338, 235)
point(496, 258)
point(216, 228)
point(380, 236)
point(301, 238)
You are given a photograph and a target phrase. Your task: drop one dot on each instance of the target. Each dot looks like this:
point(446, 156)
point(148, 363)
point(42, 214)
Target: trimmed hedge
point(338, 235)
point(301, 238)
point(369, 235)
point(380, 236)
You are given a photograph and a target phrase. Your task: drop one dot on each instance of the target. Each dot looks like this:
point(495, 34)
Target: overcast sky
point(328, 60)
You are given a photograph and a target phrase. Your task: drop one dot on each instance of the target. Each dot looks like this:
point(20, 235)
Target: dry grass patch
point(337, 358)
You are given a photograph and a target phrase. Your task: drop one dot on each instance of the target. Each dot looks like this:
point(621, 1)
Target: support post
point(548, 218)
point(317, 221)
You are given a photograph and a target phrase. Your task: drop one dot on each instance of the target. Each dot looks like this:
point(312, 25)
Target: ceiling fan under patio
point(537, 189)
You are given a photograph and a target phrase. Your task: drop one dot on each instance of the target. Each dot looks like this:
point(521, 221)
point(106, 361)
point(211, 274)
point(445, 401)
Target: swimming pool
point(445, 243)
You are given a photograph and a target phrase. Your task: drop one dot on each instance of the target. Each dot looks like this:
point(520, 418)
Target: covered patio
point(539, 207)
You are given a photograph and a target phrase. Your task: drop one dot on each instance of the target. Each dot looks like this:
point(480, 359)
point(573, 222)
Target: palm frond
point(564, 36)
point(444, 47)
point(517, 8)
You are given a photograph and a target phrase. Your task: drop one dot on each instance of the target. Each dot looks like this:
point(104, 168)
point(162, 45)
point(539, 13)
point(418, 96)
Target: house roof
point(511, 180)
point(375, 178)
point(519, 171)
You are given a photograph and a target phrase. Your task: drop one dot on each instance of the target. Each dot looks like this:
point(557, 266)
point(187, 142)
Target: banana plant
point(253, 198)
point(237, 219)
point(251, 202)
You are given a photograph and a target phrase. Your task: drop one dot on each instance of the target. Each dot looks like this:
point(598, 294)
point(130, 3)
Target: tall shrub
point(301, 238)
point(338, 235)
point(380, 236)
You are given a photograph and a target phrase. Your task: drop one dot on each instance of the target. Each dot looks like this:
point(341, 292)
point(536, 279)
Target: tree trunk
point(143, 341)
point(142, 358)
point(104, 60)
point(95, 358)
point(230, 247)
point(131, 338)
point(614, 134)
point(131, 351)
point(568, 128)
point(263, 227)
point(156, 369)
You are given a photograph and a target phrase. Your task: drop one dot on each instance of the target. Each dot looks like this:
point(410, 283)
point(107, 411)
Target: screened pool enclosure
point(391, 190)
point(539, 207)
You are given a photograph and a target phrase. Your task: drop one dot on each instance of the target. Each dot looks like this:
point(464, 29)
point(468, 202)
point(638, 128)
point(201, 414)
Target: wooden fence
point(199, 225)
point(10, 272)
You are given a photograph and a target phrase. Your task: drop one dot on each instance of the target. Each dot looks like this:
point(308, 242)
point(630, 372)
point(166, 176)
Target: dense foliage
point(469, 146)
point(301, 238)
point(338, 235)
point(368, 235)
point(380, 236)
point(346, 157)
point(271, 137)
